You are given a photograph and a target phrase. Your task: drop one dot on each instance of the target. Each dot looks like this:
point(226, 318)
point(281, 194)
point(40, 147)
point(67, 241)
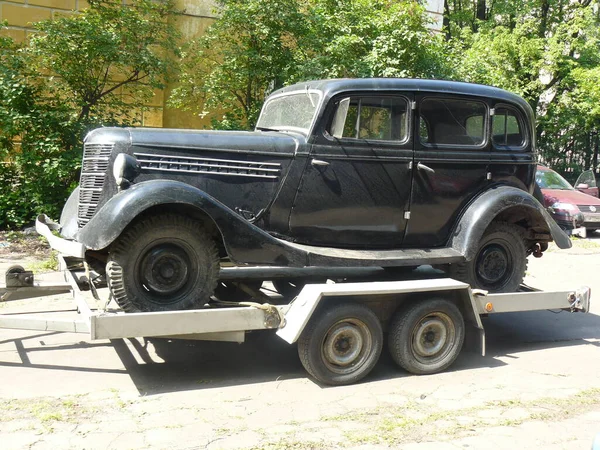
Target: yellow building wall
point(197, 16)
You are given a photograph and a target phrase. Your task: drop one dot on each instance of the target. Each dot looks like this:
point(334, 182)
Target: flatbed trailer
point(339, 327)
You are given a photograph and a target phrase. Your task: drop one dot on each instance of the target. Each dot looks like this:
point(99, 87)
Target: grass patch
point(392, 426)
point(286, 444)
point(584, 243)
point(43, 414)
point(49, 264)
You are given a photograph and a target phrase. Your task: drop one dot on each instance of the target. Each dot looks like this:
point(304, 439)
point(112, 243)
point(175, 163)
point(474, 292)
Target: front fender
point(485, 208)
point(243, 241)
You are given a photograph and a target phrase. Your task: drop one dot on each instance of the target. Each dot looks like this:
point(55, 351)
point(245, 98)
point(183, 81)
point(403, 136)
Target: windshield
point(548, 179)
point(294, 111)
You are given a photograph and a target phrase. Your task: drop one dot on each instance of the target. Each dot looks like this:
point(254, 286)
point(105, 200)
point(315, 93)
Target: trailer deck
point(94, 316)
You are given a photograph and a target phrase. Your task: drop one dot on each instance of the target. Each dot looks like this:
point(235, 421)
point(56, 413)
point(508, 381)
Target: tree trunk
point(481, 10)
point(595, 138)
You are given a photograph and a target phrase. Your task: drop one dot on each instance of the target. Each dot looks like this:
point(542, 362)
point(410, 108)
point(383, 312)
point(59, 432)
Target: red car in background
point(570, 208)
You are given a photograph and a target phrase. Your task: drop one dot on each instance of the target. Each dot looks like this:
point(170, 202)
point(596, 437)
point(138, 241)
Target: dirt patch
point(29, 243)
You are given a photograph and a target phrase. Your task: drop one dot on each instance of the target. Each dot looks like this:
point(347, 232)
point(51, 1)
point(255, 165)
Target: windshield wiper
point(266, 129)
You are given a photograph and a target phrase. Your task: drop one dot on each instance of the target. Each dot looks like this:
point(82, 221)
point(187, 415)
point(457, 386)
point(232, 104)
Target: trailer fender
point(500, 202)
point(243, 240)
point(303, 308)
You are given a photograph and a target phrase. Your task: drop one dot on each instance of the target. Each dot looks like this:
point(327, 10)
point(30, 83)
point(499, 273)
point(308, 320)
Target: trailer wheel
point(426, 337)
point(341, 344)
point(163, 263)
point(230, 292)
point(500, 262)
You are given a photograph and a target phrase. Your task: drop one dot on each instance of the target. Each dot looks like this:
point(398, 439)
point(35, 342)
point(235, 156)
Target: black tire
point(500, 262)
point(163, 263)
point(229, 291)
point(289, 288)
point(326, 345)
point(426, 337)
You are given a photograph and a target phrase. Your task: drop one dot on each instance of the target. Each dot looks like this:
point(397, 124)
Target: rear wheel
point(163, 263)
point(427, 336)
point(341, 344)
point(500, 262)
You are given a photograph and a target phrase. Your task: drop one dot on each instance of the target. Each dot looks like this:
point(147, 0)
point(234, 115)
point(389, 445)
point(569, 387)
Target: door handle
point(319, 162)
point(425, 168)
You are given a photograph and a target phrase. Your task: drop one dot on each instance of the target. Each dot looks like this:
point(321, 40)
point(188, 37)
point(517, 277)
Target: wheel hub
point(164, 269)
point(430, 336)
point(346, 346)
point(493, 264)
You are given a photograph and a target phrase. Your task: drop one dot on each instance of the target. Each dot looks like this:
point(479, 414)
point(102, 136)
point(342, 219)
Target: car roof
point(334, 86)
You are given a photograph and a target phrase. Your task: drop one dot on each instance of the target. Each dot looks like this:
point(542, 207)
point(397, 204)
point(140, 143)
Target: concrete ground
point(537, 387)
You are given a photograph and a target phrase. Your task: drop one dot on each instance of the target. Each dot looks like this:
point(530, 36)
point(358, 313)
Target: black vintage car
point(340, 179)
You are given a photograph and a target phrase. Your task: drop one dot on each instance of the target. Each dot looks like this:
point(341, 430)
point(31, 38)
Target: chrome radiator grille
point(93, 173)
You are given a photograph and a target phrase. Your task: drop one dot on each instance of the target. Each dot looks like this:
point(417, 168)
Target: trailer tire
point(163, 263)
point(341, 344)
point(426, 337)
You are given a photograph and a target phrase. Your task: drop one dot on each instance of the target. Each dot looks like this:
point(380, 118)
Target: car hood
point(568, 196)
point(224, 141)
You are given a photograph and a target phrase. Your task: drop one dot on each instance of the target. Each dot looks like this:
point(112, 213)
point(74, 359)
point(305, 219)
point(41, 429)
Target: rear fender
point(243, 241)
point(497, 204)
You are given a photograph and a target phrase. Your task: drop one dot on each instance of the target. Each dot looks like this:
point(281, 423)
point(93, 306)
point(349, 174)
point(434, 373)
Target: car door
point(451, 161)
point(355, 190)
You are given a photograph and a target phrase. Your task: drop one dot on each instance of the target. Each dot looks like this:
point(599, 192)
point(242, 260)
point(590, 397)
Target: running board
point(327, 256)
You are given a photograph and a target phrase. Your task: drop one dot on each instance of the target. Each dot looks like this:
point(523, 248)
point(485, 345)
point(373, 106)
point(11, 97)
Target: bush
point(80, 72)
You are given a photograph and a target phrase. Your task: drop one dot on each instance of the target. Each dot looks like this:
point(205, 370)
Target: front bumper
point(45, 226)
point(591, 220)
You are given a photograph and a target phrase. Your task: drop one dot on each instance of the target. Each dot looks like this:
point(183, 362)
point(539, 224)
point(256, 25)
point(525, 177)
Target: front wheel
point(500, 262)
point(341, 344)
point(163, 263)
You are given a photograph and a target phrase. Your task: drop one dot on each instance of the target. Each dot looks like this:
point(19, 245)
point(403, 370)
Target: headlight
point(125, 169)
point(560, 206)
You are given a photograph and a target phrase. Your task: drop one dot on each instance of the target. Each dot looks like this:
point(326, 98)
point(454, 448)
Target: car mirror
point(582, 186)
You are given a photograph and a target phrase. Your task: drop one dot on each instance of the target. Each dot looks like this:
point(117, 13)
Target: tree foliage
point(548, 51)
point(77, 73)
point(239, 61)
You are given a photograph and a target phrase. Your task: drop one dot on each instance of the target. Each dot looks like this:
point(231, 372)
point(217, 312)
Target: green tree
point(371, 38)
point(239, 61)
point(548, 51)
point(244, 54)
point(78, 73)
point(107, 58)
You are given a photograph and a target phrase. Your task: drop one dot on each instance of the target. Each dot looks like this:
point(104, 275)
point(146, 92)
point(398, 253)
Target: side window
point(373, 118)
point(452, 122)
point(506, 128)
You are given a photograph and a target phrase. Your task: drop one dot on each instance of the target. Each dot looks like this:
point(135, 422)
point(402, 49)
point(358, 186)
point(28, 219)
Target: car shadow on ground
point(158, 365)
point(190, 365)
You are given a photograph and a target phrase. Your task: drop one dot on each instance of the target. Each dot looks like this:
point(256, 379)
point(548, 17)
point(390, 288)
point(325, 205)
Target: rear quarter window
point(508, 130)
